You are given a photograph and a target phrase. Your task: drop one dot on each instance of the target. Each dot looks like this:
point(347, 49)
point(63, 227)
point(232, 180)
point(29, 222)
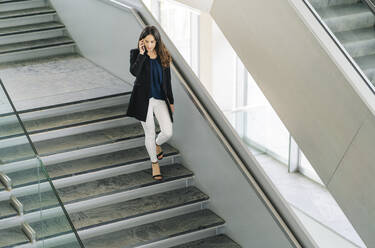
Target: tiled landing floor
point(308, 196)
point(56, 80)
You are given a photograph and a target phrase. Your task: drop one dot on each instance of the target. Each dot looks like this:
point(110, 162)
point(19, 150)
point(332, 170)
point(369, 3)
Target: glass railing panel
point(53, 228)
point(43, 218)
point(351, 22)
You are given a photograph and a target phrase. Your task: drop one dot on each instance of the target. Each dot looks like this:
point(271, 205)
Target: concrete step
point(359, 42)
point(347, 17)
point(329, 3)
point(25, 12)
point(218, 241)
point(21, 5)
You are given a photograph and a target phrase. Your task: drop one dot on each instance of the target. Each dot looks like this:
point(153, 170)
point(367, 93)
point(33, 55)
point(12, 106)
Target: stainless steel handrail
point(371, 4)
point(224, 138)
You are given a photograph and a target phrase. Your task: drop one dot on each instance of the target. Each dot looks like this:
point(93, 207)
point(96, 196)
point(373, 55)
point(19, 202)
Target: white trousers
point(159, 107)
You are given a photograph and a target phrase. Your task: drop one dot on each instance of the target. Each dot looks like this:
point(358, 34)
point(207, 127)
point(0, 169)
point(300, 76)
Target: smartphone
point(143, 47)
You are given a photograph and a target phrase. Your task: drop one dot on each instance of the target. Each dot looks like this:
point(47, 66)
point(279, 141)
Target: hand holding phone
point(142, 48)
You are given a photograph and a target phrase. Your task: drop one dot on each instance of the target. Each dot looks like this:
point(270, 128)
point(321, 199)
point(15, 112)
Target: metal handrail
point(371, 4)
point(224, 139)
point(40, 161)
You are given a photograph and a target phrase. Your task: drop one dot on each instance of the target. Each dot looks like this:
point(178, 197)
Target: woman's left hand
point(172, 107)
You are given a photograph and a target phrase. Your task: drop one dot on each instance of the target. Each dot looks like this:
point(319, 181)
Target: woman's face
point(150, 42)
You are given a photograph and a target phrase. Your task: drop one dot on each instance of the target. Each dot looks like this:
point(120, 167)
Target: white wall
point(314, 90)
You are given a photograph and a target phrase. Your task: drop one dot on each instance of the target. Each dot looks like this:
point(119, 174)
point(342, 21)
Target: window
point(181, 23)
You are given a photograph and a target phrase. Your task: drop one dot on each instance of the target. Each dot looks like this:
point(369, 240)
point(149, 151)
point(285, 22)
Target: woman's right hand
point(141, 46)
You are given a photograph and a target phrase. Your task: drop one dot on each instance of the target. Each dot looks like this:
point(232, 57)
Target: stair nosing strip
point(92, 145)
point(78, 124)
point(30, 14)
point(37, 47)
point(73, 103)
point(181, 235)
point(63, 127)
point(32, 31)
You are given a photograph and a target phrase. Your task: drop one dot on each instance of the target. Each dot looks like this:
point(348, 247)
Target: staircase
point(96, 158)
point(352, 22)
point(31, 29)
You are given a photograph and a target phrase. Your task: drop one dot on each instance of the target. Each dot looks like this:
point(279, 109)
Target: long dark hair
point(161, 50)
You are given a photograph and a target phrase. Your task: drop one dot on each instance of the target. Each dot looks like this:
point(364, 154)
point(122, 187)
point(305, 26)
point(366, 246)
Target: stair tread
point(27, 45)
point(6, 210)
point(121, 211)
point(88, 139)
point(218, 241)
point(12, 236)
point(30, 28)
point(25, 12)
point(51, 227)
point(344, 10)
point(103, 187)
point(86, 165)
point(72, 142)
point(366, 62)
point(10, 127)
point(16, 153)
point(11, 1)
point(328, 3)
point(356, 35)
point(71, 119)
point(136, 207)
point(159, 230)
point(61, 121)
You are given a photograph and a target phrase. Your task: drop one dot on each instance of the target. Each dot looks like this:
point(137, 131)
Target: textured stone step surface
point(347, 17)
point(74, 119)
point(34, 44)
point(6, 210)
point(86, 165)
point(13, 128)
point(10, 1)
point(102, 187)
point(30, 28)
point(367, 64)
point(330, 3)
point(51, 227)
point(16, 153)
point(359, 42)
point(72, 142)
point(219, 241)
point(25, 12)
point(12, 236)
point(136, 207)
point(159, 230)
point(10, 127)
point(88, 139)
